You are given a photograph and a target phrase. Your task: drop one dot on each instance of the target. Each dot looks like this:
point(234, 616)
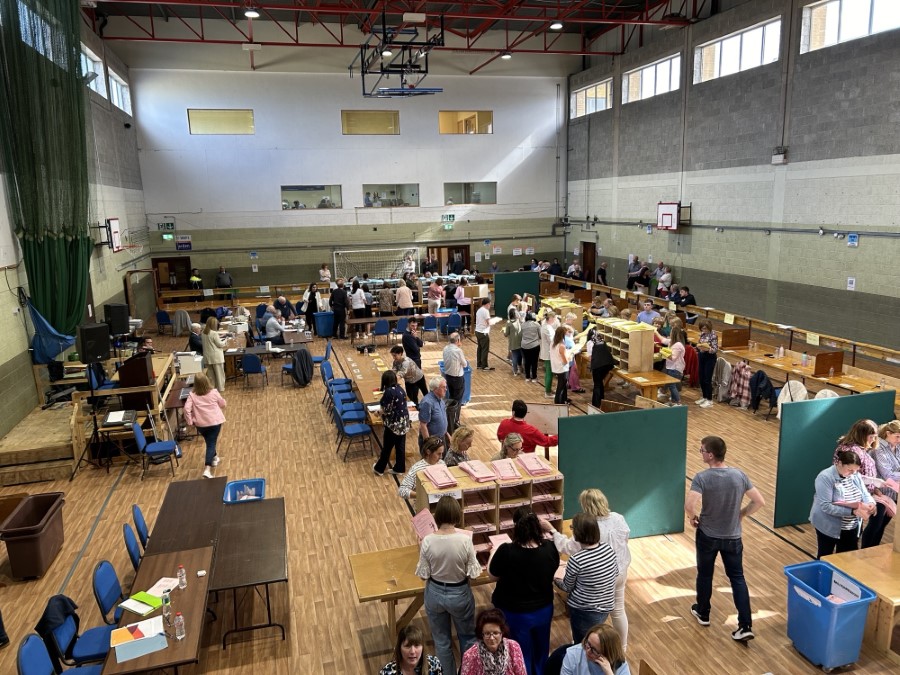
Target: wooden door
point(589, 260)
point(172, 273)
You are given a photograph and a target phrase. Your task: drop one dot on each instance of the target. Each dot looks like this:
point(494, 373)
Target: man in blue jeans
point(722, 489)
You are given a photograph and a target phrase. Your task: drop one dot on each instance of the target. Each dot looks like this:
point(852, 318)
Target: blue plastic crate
point(827, 633)
point(249, 489)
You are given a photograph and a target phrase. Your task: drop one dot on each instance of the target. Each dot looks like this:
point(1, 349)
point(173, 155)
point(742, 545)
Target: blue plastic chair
point(251, 365)
point(430, 325)
point(94, 380)
point(400, 328)
point(108, 591)
point(452, 325)
point(131, 545)
point(162, 320)
point(155, 452)
point(34, 659)
point(260, 310)
point(382, 327)
point(74, 649)
point(140, 525)
point(320, 359)
point(352, 433)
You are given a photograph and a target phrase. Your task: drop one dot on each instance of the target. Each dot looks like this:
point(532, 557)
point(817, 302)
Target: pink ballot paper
point(506, 469)
point(478, 471)
point(440, 475)
point(497, 539)
point(423, 523)
point(533, 464)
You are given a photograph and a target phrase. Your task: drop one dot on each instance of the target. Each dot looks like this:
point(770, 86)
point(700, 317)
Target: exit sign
point(448, 225)
point(448, 218)
point(165, 227)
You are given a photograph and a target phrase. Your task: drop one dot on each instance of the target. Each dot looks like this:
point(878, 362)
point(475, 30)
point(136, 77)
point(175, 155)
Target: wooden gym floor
point(335, 509)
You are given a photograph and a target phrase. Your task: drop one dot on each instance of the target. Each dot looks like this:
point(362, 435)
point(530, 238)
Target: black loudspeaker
point(116, 316)
point(92, 342)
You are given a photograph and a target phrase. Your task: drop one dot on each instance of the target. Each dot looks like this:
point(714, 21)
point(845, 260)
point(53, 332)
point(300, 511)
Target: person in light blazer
point(837, 525)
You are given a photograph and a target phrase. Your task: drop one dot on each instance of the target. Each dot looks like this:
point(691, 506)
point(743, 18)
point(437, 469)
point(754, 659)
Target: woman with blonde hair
point(614, 531)
point(203, 410)
point(214, 353)
point(626, 314)
point(887, 459)
point(460, 442)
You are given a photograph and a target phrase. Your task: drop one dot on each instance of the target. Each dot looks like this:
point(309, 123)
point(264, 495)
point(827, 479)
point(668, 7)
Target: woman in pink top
point(203, 410)
point(493, 651)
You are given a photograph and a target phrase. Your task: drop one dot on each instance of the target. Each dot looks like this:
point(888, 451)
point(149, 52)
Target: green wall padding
point(508, 283)
point(637, 458)
point(807, 439)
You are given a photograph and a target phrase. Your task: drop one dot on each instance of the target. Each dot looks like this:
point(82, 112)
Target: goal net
point(378, 263)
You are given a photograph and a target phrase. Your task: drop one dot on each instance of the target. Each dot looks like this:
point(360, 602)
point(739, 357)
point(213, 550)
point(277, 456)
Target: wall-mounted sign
point(853, 239)
point(517, 251)
point(529, 250)
point(497, 250)
point(183, 242)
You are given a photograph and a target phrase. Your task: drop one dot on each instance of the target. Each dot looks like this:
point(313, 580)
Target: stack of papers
point(440, 475)
point(478, 471)
point(498, 539)
point(141, 603)
point(506, 469)
point(534, 465)
point(423, 523)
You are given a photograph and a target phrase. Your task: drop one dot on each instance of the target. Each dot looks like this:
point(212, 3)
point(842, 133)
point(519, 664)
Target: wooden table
point(389, 576)
point(288, 349)
point(191, 602)
point(647, 382)
point(879, 569)
point(252, 551)
point(365, 370)
point(189, 516)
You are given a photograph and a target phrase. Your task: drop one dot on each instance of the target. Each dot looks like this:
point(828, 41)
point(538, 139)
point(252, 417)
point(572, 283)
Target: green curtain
point(44, 150)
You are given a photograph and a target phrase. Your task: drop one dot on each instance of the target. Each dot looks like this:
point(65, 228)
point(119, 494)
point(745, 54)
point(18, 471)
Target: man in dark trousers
point(722, 490)
point(340, 303)
point(412, 342)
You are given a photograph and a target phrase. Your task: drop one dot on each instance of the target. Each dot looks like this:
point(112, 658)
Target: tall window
point(656, 78)
point(591, 99)
point(749, 48)
point(38, 33)
point(832, 21)
point(119, 92)
point(92, 71)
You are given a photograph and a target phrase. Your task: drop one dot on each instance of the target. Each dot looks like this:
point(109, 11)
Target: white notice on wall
point(851, 283)
point(477, 256)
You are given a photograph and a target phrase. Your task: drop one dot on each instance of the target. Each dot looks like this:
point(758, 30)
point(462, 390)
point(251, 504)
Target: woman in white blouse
point(614, 531)
point(447, 562)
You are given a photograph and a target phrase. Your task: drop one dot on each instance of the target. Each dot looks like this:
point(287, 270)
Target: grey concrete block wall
point(601, 141)
point(734, 120)
point(577, 162)
point(650, 135)
point(846, 100)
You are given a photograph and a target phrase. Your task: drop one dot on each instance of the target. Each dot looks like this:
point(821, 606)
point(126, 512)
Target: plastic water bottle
point(179, 626)
point(182, 577)
point(167, 607)
point(831, 372)
point(804, 361)
point(881, 384)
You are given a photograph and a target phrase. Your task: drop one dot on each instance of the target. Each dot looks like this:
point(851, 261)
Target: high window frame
point(653, 79)
point(594, 98)
point(91, 63)
point(119, 92)
point(748, 48)
point(832, 22)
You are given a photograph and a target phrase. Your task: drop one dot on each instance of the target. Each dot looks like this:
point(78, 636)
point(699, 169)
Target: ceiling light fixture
point(506, 56)
point(251, 12)
point(387, 52)
point(556, 25)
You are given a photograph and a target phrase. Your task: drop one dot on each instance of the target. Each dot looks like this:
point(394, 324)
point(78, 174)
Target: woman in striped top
point(590, 578)
point(841, 503)
point(432, 452)
point(863, 439)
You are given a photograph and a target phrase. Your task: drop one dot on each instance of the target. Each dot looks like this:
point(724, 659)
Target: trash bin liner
point(827, 633)
point(33, 533)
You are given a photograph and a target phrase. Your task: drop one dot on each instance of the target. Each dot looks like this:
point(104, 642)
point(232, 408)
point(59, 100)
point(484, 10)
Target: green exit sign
point(448, 226)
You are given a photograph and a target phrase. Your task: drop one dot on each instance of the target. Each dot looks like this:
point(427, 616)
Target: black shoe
point(742, 634)
point(4, 642)
point(702, 620)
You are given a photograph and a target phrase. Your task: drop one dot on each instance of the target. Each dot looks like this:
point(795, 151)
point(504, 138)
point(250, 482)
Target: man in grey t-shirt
point(722, 489)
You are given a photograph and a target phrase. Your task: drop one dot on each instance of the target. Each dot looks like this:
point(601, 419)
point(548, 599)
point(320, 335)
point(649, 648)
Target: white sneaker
point(707, 404)
point(215, 461)
point(700, 401)
point(549, 395)
point(207, 472)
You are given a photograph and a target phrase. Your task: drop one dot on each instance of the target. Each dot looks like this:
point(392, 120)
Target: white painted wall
point(298, 140)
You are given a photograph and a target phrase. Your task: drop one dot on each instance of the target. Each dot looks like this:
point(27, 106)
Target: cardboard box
point(190, 364)
point(476, 291)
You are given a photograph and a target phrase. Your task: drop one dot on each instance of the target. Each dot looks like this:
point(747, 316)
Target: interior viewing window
point(470, 193)
point(749, 48)
point(92, 71)
point(656, 78)
point(370, 122)
point(233, 122)
point(383, 194)
point(591, 99)
point(466, 121)
point(119, 92)
point(832, 21)
point(310, 197)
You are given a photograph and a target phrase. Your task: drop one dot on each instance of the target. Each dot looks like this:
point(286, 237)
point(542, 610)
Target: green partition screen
point(637, 458)
point(508, 283)
point(809, 431)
